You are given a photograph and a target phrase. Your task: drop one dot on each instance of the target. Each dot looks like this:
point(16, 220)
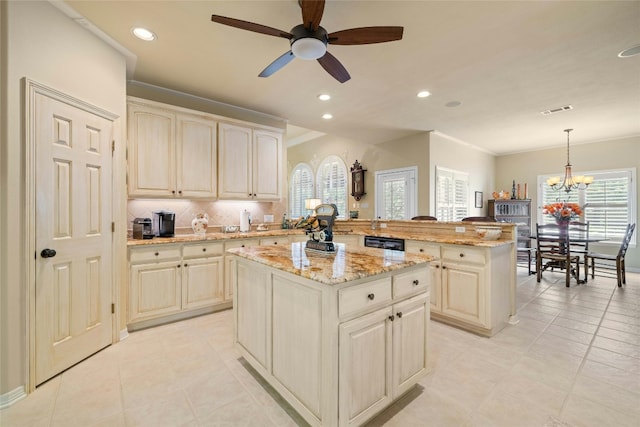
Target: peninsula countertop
point(344, 265)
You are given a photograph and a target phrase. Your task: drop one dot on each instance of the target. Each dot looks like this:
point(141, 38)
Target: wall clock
point(357, 181)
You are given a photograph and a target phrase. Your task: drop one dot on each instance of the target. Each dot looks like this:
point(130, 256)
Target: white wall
point(42, 44)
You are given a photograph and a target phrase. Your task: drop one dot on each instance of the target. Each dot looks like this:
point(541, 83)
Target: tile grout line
point(584, 358)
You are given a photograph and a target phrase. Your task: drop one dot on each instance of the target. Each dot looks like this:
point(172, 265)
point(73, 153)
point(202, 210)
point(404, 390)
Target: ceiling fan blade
point(311, 13)
point(280, 62)
point(334, 67)
point(366, 35)
point(250, 26)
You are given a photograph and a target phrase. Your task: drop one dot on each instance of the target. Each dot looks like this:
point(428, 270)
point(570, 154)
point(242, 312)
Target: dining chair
point(606, 262)
point(579, 239)
point(479, 219)
point(424, 217)
point(553, 249)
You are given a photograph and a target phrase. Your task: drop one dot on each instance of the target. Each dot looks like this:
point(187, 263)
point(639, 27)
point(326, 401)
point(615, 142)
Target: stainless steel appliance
point(142, 228)
point(164, 223)
point(390, 243)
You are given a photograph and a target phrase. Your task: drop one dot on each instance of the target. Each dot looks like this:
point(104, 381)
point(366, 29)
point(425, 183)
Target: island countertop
point(344, 265)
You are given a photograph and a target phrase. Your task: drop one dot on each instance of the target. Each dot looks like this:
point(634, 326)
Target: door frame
point(32, 88)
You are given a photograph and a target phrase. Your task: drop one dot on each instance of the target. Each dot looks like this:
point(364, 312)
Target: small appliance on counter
point(164, 223)
point(142, 228)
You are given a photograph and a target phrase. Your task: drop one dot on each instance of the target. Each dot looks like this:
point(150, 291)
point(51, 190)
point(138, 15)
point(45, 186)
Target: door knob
point(48, 253)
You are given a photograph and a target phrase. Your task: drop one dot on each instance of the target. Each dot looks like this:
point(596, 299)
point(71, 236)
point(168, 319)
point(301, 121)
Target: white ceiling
point(504, 61)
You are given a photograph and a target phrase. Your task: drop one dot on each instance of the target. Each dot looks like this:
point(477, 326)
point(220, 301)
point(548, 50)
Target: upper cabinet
point(174, 152)
point(250, 163)
point(171, 153)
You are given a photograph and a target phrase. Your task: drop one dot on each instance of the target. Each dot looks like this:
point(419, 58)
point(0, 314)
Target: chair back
point(424, 217)
point(550, 240)
point(479, 219)
point(625, 242)
point(578, 236)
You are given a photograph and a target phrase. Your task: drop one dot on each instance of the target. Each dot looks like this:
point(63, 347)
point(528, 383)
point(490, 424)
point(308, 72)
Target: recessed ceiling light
point(327, 116)
point(423, 94)
point(632, 51)
point(324, 97)
point(143, 34)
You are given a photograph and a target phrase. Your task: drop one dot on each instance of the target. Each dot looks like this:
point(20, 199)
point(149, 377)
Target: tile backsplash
point(220, 212)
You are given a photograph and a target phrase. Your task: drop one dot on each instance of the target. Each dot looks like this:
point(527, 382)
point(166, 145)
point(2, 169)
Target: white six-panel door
point(73, 186)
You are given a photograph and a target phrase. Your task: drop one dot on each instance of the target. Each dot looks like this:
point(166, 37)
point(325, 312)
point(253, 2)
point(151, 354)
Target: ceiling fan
point(309, 40)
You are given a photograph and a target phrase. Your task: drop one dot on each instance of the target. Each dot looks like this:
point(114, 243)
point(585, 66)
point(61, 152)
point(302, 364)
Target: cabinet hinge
point(113, 308)
point(113, 227)
point(126, 154)
point(113, 146)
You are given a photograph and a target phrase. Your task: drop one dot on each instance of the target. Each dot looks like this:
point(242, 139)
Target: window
point(452, 194)
point(332, 183)
point(300, 189)
point(609, 204)
point(396, 193)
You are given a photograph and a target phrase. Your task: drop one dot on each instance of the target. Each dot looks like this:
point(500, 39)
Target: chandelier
point(569, 182)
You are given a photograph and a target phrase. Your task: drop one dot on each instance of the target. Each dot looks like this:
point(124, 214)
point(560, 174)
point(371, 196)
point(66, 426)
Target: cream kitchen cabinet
point(229, 262)
point(469, 285)
point(338, 353)
point(172, 152)
point(174, 279)
point(250, 163)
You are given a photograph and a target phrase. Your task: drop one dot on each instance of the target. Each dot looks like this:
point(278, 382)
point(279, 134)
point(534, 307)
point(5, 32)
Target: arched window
point(332, 183)
point(300, 188)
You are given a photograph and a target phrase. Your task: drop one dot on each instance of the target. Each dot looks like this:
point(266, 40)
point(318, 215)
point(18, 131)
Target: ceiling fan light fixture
point(308, 48)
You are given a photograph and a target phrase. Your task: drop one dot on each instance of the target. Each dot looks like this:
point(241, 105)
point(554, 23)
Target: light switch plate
point(268, 218)
point(383, 225)
point(459, 229)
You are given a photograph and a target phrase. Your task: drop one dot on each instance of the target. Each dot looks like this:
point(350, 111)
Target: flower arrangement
point(562, 212)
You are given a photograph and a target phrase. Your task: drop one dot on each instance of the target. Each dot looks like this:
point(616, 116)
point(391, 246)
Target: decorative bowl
point(489, 233)
point(229, 228)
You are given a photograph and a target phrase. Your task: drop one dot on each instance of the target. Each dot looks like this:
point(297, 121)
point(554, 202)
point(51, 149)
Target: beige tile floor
point(573, 360)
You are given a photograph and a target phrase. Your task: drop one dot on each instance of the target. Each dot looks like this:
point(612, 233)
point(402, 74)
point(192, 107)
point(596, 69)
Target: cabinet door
point(154, 290)
point(196, 161)
point(463, 292)
point(253, 310)
point(234, 181)
point(267, 165)
point(435, 285)
point(409, 342)
point(202, 283)
point(365, 367)
point(151, 151)
point(229, 263)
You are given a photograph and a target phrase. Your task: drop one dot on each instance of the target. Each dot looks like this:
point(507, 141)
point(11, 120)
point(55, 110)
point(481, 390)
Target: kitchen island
point(340, 336)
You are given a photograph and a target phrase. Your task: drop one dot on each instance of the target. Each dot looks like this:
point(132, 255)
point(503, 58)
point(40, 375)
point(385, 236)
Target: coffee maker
point(164, 223)
point(142, 228)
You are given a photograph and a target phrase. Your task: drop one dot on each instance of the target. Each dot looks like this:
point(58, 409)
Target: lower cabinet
point(470, 285)
point(338, 354)
point(170, 279)
point(230, 259)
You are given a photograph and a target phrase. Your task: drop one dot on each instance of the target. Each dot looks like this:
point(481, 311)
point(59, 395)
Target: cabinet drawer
point(276, 240)
point(154, 253)
point(240, 243)
point(200, 250)
point(422, 248)
point(464, 254)
point(409, 283)
point(364, 297)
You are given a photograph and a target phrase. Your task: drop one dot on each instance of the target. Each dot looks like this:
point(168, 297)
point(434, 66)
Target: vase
point(200, 223)
point(563, 228)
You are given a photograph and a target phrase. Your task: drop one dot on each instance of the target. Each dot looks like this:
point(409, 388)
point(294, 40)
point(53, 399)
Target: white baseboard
point(12, 397)
point(124, 334)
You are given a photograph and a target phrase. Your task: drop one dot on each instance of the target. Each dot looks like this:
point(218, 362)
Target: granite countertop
point(344, 265)
point(186, 238)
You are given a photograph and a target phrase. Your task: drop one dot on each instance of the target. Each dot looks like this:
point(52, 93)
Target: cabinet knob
point(242, 246)
point(437, 265)
point(391, 317)
point(180, 192)
point(416, 282)
point(399, 314)
point(186, 265)
point(275, 243)
point(173, 191)
point(371, 296)
point(204, 249)
point(461, 255)
point(157, 253)
point(444, 267)
point(421, 250)
point(179, 266)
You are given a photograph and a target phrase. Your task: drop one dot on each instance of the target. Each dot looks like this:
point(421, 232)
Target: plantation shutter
point(300, 189)
point(452, 195)
point(332, 184)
